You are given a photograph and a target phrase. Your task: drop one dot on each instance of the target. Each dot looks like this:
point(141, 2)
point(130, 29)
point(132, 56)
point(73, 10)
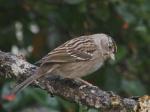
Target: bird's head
point(107, 45)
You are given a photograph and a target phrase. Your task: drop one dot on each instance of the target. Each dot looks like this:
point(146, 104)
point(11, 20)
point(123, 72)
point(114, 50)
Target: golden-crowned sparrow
point(75, 58)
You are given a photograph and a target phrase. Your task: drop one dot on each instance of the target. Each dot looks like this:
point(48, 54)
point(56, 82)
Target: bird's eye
point(110, 47)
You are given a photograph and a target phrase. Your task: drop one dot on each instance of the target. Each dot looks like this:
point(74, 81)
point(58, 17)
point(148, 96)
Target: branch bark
point(12, 66)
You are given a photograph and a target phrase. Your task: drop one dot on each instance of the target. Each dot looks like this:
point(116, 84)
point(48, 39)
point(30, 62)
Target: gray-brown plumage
point(75, 58)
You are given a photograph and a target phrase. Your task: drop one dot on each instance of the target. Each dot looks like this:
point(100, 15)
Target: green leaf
point(133, 87)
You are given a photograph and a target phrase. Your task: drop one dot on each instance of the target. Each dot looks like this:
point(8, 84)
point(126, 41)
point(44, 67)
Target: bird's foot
point(85, 84)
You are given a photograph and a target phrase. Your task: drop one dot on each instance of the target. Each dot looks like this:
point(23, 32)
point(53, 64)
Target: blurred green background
point(34, 27)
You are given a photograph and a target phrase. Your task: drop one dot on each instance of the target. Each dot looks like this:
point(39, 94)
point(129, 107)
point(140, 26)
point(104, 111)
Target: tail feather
point(32, 78)
point(25, 83)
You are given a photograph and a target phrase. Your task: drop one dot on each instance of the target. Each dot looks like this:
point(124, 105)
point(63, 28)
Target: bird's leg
point(86, 84)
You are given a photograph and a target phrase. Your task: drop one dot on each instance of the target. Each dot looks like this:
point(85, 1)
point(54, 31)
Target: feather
point(71, 51)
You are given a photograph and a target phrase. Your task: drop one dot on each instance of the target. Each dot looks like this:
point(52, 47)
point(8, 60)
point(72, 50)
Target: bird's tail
point(29, 80)
point(24, 84)
point(12, 94)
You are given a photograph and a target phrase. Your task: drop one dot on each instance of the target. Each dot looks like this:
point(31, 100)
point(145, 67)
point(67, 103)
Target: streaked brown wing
point(78, 49)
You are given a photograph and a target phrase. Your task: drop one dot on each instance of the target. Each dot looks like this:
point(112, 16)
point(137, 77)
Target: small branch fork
point(16, 67)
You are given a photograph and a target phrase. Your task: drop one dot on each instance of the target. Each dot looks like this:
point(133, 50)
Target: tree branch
point(12, 66)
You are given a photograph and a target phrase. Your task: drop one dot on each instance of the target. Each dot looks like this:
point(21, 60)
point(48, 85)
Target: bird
point(74, 59)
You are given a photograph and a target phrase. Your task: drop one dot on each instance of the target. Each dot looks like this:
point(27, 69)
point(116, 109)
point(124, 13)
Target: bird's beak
point(112, 56)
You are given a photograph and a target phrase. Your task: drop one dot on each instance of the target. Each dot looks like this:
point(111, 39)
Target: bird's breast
point(95, 65)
